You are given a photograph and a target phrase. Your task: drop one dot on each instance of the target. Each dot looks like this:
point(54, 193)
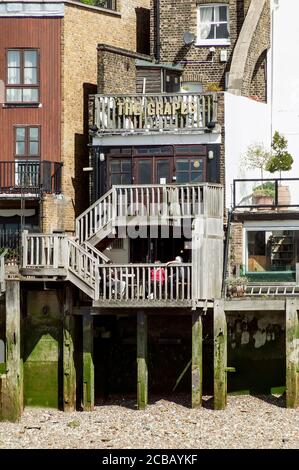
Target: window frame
point(22, 86)
point(214, 41)
point(27, 128)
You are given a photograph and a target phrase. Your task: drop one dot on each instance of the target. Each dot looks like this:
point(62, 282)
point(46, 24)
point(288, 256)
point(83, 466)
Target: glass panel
point(14, 95)
point(222, 13)
point(162, 171)
point(126, 178)
point(30, 58)
point(115, 167)
point(20, 148)
point(33, 148)
point(30, 76)
point(126, 166)
point(145, 171)
point(13, 59)
point(13, 76)
point(20, 133)
point(30, 94)
point(182, 177)
point(212, 32)
point(182, 165)
point(116, 179)
point(222, 31)
point(196, 177)
point(33, 133)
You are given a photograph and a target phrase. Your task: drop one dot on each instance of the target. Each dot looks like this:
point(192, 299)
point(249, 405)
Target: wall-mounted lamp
point(210, 155)
point(102, 157)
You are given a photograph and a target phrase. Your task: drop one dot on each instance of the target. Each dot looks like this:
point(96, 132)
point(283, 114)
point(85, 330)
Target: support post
point(12, 384)
point(196, 370)
point(88, 365)
point(292, 354)
point(142, 374)
point(69, 371)
point(220, 356)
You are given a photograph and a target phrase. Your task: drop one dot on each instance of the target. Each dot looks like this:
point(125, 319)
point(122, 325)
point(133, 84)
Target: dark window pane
point(222, 31)
point(182, 165)
point(145, 171)
point(212, 32)
point(222, 13)
point(116, 179)
point(126, 178)
point(182, 177)
point(196, 177)
point(126, 166)
point(115, 167)
point(162, 171)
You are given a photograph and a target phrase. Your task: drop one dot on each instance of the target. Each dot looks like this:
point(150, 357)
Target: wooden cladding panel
point(153, 80)
point(43, 34)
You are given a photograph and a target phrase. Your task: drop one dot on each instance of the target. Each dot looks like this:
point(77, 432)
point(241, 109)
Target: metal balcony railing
point(263, 194)
point(30, 177)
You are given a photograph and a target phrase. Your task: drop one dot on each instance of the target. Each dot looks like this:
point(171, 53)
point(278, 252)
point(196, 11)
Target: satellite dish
point(189, 38)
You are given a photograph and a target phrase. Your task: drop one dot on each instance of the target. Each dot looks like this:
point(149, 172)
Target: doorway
point(153, 170)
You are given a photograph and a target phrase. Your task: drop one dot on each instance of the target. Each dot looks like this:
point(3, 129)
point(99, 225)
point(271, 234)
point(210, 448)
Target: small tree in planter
point(281, 160)
point(257, 157)
point(236, 286)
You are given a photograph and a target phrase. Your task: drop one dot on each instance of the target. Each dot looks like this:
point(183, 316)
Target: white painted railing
point(155, 112)
point(157, 201)
point(84, 266)
point(145, 283)
point(43, 250)
point(98, 255)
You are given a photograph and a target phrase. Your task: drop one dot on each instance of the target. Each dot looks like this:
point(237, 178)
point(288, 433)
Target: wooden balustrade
point(145, 283)
point(43, 251)
point(158, 201)
point(155, 112)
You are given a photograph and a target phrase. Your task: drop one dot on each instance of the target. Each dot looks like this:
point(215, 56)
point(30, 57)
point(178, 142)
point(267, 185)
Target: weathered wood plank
point(254, 304)
point(220, 355)
point(196, 368)
point(88, 364)
point(142, 372)
point(69, 371)
point(12, 386)
point(292, 354)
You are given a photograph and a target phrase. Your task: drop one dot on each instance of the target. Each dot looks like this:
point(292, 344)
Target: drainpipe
point(158, 36)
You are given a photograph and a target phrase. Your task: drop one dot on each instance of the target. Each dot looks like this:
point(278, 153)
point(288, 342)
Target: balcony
point(29, 178)
point(149, 113)
point(266, 194)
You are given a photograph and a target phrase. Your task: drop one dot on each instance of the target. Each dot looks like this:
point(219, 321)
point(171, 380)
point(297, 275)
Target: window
point(22, 77)
point(190, 170)
point(27, 141)
point(213, 25)
point(120, 171)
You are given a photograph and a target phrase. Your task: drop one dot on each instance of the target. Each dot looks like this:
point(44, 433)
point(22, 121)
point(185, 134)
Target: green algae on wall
point(42, 337)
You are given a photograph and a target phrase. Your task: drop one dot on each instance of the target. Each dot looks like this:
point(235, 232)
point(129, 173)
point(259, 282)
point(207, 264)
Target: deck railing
point(43, 250)
point(155, 201)
point(155, 112)
point(29, 177)
point(268, 193)
point(140, 283)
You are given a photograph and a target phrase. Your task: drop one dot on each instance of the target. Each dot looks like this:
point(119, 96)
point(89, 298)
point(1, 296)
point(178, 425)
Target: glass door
point(153, 170)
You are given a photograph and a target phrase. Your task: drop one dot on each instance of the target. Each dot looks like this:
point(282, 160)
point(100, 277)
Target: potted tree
point(236, 286)
point(281, 160)
point(257, 157)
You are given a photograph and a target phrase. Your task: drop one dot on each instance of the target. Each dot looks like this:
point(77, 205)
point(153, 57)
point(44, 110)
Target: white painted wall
point(285, 112)
point(246, 122)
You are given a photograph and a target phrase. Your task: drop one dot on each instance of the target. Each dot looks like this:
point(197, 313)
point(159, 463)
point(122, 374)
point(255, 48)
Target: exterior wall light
point(102, 157)
point(210, 155)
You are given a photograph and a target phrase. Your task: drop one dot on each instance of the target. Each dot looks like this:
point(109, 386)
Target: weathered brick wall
point(236, 248)
point(179, 16)
point(116, 70)
point(83, 29)
point(256, 57)
point(56, 213)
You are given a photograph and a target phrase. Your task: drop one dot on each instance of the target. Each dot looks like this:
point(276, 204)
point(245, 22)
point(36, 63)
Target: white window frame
point(212, 42)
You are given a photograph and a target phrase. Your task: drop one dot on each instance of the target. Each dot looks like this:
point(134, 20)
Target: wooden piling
point(88, 364)
point(292, 354)
point(142, 373)
point(220, 356)
point(196, 370)
point(12, 383)
point(69, 371)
